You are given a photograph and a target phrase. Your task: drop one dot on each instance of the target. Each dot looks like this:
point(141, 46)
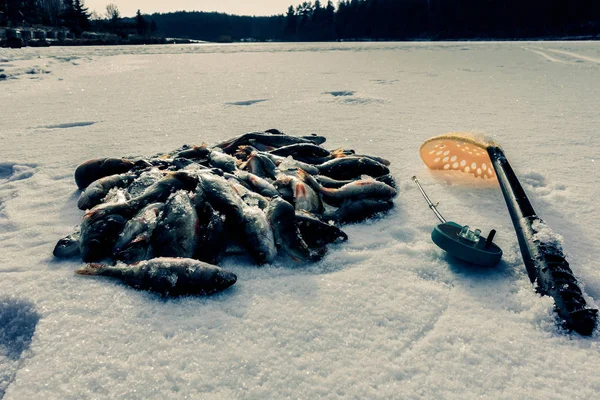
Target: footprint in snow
point(18, 320)
point(341, 93)
point(69, 125)
point(10, 172)
point(246, 102)
point(534, 179)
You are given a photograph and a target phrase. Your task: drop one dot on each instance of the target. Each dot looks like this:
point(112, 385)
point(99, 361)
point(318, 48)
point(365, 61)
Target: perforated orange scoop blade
point(459, 151)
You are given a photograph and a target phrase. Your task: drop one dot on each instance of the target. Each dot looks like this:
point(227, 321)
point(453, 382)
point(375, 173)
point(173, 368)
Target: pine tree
point(291, 23)
point(82, 16)
point(141, 24)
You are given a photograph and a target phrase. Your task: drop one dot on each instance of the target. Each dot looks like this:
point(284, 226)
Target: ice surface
point(386, 314)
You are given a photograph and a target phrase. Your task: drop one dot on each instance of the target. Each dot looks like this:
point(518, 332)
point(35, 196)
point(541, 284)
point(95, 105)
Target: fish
point(314, 138)
point(388, 180)
point(97, 190)
point(317, 233)
point(98, 234)
point(144, 181)
point(282, 218)
point(160, 190)
point(380, 160)
point(254, 199)
point(355, 190)
point(304, 196)
point(358, 211)
point(257, 184)
point(116, 195)
point(167, 276)
point(328, 182)
point(222, 161)
point(285, 192)
point(306, 149)
point(258, 236)
point(212, 236)
point(176, 232)
point(274, 131)
point(229, 146)
point(183, 163)
point(92, 170)
point(289, 165)
point(195, 152)
point(223, 198)
point(100, 228)
point(68, 246)
point(352, 167)
point(260, 146)
point(260, 165)
point(133, 243)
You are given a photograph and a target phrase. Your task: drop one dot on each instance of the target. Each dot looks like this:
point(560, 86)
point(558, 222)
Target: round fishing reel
point(462, 242)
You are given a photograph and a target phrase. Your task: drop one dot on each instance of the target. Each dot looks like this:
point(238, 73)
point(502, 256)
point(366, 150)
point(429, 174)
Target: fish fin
point(91, 269)
point(338, 153)
point(310, 181)
point(302, 174)
point(141, 238)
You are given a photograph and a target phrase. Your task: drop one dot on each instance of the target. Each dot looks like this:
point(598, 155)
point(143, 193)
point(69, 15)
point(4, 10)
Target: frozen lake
point(386, 314)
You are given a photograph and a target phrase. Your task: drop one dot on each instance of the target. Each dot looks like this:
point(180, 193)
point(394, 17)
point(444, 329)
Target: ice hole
point(453, 158)
point(432, 151)
point(439, 153)
point(483, 166)
point(467, 169)
point(446, 152)
point(446, 166)
point(436, 160)
point(474, 165)
point(463, 163)
point(445, 159)
point(455, 165)
point(478, 171)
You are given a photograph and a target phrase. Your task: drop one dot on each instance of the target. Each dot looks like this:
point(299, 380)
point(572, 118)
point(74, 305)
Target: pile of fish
point(163, 223)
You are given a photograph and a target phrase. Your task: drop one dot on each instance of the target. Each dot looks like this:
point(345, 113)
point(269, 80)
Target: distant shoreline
point(13, 40)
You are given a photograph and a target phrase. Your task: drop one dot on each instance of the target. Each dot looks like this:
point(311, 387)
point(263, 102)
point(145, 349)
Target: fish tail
point(91, 269)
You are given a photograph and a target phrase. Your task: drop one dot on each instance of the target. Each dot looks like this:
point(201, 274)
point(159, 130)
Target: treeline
point(396, 20)
point(73, 16)
point(218, 27)
point(347, 20)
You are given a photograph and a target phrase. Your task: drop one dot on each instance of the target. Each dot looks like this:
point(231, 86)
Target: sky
point(128, 8)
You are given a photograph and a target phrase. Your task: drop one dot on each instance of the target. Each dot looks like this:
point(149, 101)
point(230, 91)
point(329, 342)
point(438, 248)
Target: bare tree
point(112, 12)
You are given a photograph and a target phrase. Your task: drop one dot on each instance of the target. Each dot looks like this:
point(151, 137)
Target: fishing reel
point(462, 242)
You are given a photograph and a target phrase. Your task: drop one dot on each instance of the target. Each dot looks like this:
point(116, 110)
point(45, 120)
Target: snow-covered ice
point(386, 314)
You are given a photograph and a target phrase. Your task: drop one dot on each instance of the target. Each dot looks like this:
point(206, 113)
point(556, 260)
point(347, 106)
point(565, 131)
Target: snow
point(386, 314)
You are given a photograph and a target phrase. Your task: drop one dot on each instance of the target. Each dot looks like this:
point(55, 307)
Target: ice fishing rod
point(460, 241)
point(547, 268)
